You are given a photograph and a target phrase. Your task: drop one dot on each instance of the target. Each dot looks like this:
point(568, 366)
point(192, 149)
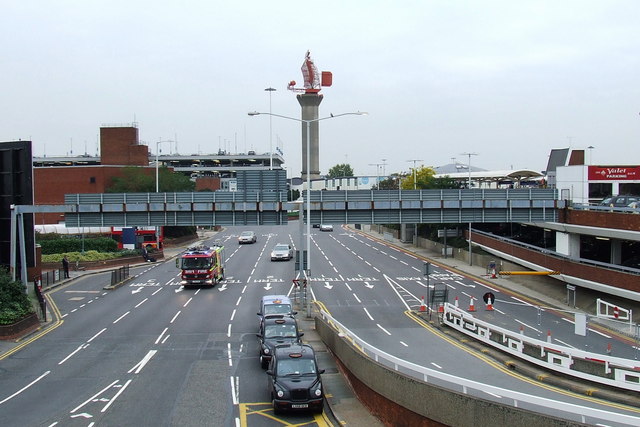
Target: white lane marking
point(65, 315)
point(188, 301)
point(113, 399)
point(196, 293)
point(141, 302)
point(367, 312)
point(121, 317)
point(348, 287)
point(165, 339)
point(436, 365)
point(80, 347)
point(234, 391)
point(96, 335)
point(156, 291)
point(356, 297)
point(229, 331)
point(161, 335)
point(94, 396)
point(176, 315)
point(74, 310)
point(523, 302)
point(403, 262)
point(141, 364)
point(233, 314)
point(404, 343)
point(392, 257)
point(383, 329)
point(564, 343)
point(229, 354)
point(592, 330)
point(25, 387)
point(238, 302)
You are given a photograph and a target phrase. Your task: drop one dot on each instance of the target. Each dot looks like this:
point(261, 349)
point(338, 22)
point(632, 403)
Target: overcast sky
point(508, 80)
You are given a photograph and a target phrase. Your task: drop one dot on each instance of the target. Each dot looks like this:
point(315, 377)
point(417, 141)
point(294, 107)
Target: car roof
point(276, 299)
point(286, 245)
point(298, 351)
point(280, 320)
point(248, 232)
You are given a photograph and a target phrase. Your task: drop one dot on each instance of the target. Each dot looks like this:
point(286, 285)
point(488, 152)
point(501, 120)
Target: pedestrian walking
point(65, 266)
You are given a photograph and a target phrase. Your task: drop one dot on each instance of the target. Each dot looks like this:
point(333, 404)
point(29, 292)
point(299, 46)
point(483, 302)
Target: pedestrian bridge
point(332, 207)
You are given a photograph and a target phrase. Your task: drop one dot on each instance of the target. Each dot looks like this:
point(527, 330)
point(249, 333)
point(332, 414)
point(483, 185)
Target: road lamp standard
point(469, 185)
point(270, 90)
point(308, 143)
point(158, 186)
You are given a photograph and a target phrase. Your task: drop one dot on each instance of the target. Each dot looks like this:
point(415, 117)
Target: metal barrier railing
point(119, 275)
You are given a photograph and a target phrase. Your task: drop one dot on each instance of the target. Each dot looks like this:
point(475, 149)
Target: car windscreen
point(280, 331)
point(281, 248)
point(277, 309)
point(296, 367)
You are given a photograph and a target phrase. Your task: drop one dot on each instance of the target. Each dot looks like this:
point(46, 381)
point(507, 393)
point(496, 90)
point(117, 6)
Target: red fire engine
point(202, 265)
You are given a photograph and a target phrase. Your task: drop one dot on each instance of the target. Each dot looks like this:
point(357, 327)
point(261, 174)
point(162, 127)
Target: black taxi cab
point(294, 381)
point(276, 331)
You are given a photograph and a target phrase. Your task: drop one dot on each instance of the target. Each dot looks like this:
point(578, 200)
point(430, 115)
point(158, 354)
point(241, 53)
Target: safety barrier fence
point(119, 275)
point(599, 368)
point(447, 398)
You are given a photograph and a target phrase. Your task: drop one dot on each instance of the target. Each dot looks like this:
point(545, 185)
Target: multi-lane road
point(154, 353)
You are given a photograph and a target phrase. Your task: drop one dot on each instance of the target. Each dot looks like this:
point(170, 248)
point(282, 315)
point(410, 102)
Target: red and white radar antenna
point(313, 81)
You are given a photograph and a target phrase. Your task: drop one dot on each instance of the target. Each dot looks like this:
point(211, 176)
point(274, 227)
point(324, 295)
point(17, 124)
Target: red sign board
point(614, 173)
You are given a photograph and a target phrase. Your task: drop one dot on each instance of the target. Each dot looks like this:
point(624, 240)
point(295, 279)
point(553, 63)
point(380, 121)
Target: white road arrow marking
point(223, 288)
point(327, 285)
point(268, 287)
point(180, 289)
point(135, 291)
point(368, 285)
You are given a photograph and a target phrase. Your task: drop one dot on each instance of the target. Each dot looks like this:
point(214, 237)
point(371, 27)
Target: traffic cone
point(489, 305)
point(493, 273)
point(521, 330)
point(471, 306)
point(456, 302)
point(440, 308)
point(549, 335)
point(422, 306)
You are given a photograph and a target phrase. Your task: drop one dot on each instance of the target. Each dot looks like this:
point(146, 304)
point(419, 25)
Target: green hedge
point(74, 244)
point(14, 302)
point(88, 256)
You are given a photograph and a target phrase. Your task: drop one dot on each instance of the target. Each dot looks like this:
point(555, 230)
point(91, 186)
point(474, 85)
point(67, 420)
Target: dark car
point(276, 331)
point(294, 381)
point(621, 201)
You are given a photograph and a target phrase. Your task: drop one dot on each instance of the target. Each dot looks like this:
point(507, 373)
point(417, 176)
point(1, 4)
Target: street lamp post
point(158, 185)
point(308, 144)
point(270, 90)
point(415, 187)
point(469, 185)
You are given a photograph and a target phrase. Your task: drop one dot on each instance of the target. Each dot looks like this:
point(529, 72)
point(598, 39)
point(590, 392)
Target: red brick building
point(119, 147)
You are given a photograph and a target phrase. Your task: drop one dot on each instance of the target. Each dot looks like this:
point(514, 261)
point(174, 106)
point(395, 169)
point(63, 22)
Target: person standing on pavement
point(65, 266)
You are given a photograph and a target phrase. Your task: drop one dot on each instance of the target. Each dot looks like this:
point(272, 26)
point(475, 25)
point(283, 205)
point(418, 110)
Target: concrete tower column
point(310, 103)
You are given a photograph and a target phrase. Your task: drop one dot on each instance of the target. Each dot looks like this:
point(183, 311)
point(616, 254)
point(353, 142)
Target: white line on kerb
point(25, 387)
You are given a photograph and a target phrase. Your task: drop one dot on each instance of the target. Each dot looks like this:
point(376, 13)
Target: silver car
point(326, 227)
point(247, 237)
point(282, 251)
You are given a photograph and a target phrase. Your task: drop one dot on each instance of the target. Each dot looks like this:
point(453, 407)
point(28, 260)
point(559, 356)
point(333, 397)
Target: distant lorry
point(202, 265)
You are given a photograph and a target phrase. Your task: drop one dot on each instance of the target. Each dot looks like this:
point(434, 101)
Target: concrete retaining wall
point(425, 400)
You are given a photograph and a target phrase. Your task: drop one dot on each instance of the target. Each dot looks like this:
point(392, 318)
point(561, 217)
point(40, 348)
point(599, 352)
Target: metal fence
point(119, 275)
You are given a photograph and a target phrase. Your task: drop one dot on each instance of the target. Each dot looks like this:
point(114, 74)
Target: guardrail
point(599, 368)
point(119, 275)
point(447, 398)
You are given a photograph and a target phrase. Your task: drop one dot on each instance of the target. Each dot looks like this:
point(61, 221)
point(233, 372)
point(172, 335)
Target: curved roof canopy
point(515, 174)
